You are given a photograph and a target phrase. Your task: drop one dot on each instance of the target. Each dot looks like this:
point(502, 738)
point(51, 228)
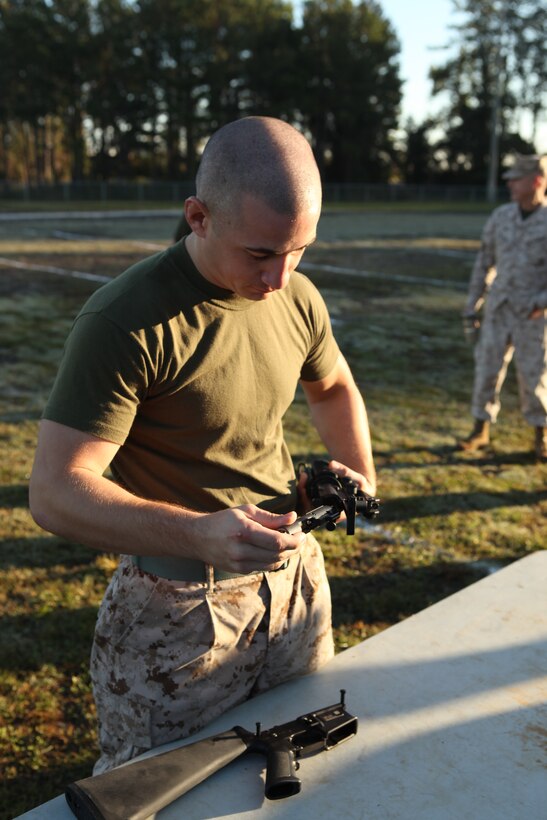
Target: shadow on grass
point(14, 495)
point(394, 595)
point(451, 455)
point(32, 788)
point(421, 506)
point(43, 551)
point(59, 637)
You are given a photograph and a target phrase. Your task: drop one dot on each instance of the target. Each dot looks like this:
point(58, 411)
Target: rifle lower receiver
point(307, 735)
point(138, 790)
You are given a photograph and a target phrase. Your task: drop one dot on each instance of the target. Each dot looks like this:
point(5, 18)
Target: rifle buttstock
point(137, 790)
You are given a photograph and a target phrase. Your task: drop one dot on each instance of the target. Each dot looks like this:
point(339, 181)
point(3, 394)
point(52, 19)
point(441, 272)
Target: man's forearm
point(95, 511)
point(484, 269)
point(72, 498)
point(341, 421)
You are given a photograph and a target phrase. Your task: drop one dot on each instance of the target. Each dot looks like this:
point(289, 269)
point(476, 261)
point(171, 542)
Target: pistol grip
point(281, 780)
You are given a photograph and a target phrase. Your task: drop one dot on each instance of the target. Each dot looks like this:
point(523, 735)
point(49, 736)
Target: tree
point(171, 44)
point(119, 99)
point(131, 87)
point(207, 59)
point(418, 163)
point(498, 72)
point(270, 50)
point(28, 95)
point(350, 88)
point(70, 65)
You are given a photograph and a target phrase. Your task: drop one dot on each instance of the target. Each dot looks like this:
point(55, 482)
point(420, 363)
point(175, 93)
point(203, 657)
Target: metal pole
point(492, 184)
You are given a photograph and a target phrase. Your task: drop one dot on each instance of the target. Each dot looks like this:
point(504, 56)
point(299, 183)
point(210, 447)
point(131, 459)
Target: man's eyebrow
point(272, 252)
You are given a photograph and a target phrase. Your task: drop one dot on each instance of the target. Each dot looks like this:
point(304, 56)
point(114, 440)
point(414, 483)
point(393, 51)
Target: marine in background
point(509, 283)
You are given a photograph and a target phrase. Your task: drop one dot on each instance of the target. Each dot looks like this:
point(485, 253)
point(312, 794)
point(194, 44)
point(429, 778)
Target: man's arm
point(484, 269)
point(339, 414)
point(538, 305)
point(70, 496)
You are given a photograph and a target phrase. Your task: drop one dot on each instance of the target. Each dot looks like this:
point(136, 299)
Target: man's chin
point(257, 295)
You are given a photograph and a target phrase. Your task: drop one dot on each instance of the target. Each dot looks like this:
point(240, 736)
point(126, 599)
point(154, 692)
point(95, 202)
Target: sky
point(423, 28)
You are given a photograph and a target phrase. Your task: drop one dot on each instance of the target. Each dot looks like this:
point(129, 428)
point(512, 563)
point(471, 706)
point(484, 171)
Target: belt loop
point(210, 576)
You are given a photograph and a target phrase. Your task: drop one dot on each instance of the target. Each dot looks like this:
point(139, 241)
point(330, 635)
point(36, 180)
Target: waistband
point(179, 569)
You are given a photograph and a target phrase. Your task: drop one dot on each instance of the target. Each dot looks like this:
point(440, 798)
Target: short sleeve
point(102, 379)
point(324, 351)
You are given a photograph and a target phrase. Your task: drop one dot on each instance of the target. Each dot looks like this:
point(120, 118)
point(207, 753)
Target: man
point(176, 376)
point(512, 268)
point(182, 229)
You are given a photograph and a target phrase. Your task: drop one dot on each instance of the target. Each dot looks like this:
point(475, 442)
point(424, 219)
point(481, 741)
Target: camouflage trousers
point(170, 656)
point(505, 336)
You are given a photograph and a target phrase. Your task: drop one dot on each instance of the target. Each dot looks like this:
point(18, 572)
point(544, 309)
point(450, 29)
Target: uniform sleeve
point(538, 301)
point(484, 269)
point(324, 350)
point(103, 377)
point(538, 259)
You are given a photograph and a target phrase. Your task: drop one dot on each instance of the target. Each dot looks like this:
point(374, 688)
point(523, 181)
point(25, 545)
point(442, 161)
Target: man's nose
point(277, 271)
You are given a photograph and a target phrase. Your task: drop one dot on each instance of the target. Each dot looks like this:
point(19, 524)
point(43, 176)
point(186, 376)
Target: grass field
point(394, 284)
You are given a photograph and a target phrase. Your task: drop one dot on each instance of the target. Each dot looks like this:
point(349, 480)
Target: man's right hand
point(245, 539)
point(71, 497)
point(471, 327)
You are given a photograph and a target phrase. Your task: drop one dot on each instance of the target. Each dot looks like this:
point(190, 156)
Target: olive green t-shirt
point(193, 382)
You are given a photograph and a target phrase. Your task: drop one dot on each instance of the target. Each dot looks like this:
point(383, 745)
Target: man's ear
point(197, 215)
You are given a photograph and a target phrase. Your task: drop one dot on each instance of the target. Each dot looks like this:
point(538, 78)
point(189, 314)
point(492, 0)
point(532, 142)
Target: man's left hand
point(345, 472)
point(340, 470)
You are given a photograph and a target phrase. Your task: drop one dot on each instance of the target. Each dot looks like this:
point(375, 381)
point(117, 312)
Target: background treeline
point(111, 89)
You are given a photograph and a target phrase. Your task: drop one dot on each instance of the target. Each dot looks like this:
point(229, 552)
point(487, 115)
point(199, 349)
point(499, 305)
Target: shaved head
point(263, 157)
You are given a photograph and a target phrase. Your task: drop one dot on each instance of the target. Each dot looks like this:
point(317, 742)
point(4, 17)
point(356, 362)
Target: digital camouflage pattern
point(511, 272)
point(170, 657)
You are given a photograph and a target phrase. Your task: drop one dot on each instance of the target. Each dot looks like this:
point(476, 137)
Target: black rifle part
point(334, 495)
point(137, 790)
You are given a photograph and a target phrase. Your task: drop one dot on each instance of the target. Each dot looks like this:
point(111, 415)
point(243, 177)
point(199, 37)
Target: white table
point(452, 708)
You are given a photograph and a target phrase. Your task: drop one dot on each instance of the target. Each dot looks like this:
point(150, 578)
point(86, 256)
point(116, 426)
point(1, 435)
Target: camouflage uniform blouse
point(512, 262)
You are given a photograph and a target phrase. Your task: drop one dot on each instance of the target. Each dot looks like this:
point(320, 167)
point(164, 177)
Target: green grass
point(447, 518)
